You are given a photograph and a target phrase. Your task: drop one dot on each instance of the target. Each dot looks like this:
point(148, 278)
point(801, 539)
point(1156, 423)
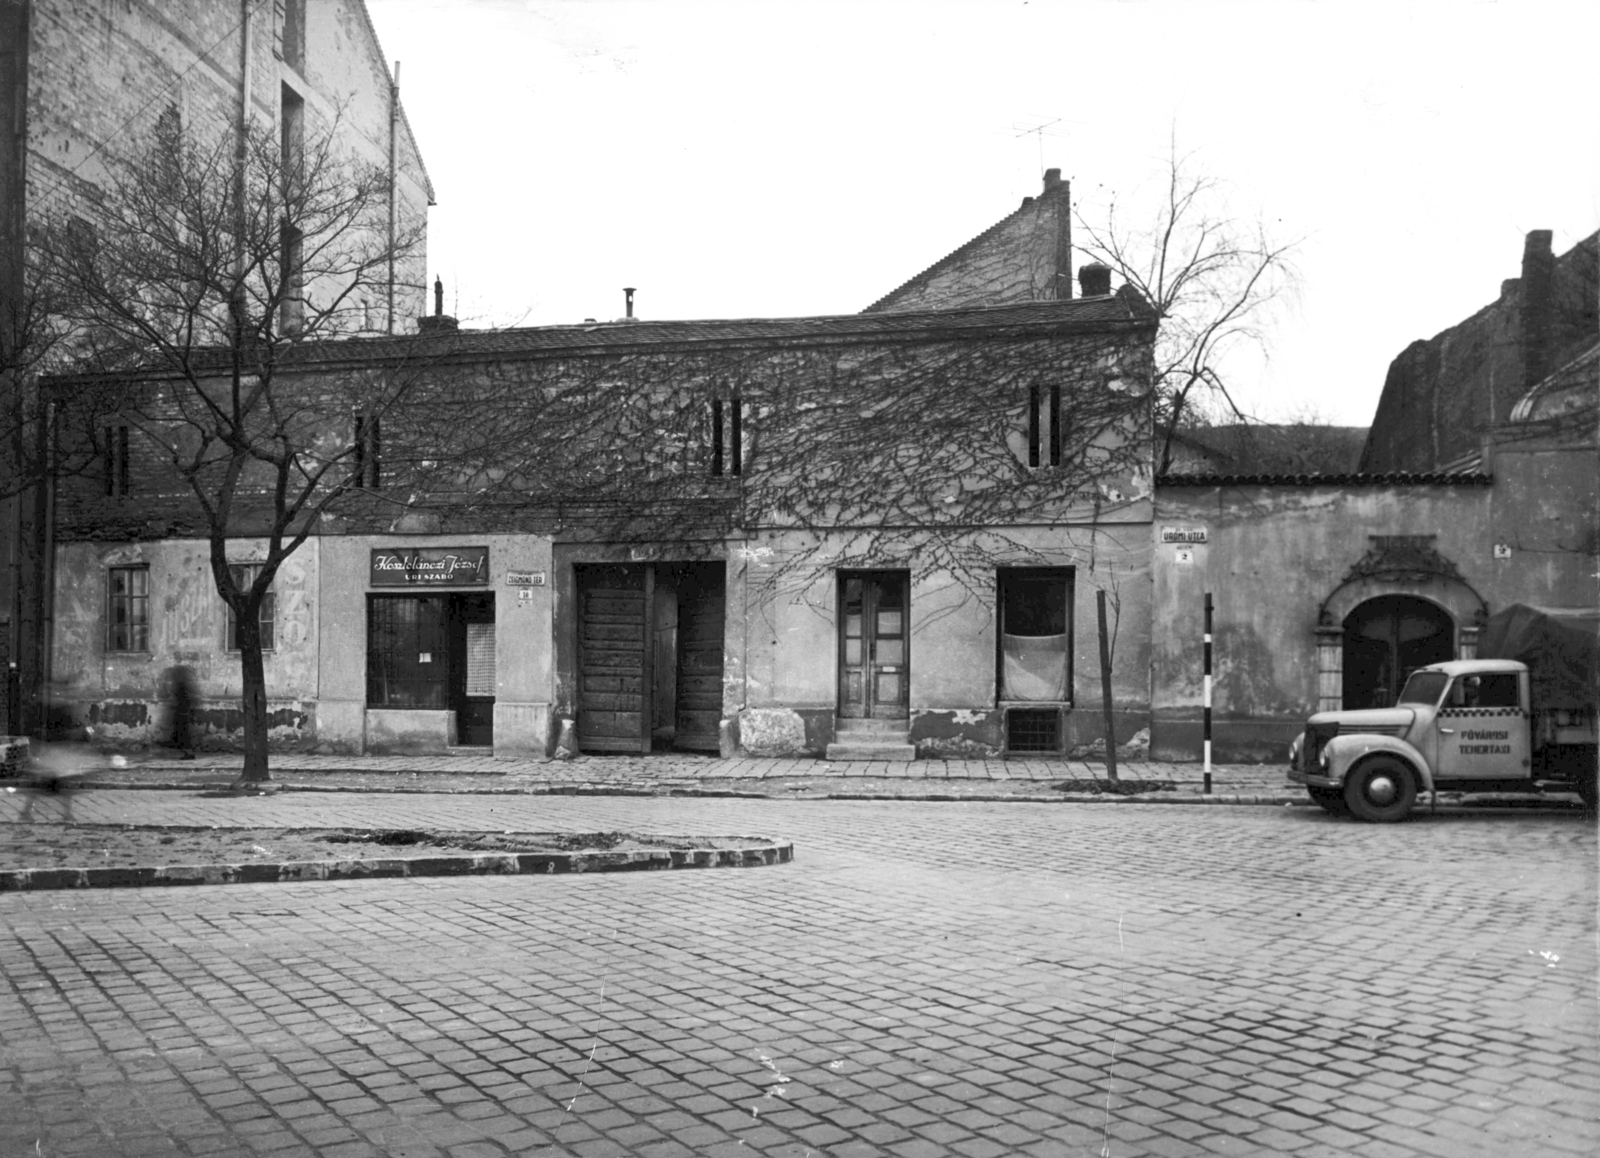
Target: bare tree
point(1215, 279)
point(213, 269)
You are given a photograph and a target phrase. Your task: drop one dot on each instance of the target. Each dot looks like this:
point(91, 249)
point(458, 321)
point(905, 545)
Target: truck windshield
point(1424, 687)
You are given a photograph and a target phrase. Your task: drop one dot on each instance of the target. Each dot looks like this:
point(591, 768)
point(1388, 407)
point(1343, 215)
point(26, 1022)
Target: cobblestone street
point(928, 979)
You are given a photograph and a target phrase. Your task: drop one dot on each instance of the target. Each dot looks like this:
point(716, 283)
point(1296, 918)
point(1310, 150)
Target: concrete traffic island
point(76, 856)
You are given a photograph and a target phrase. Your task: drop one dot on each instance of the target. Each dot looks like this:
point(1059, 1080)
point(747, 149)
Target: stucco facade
point(679, 577)
point(1293, 564)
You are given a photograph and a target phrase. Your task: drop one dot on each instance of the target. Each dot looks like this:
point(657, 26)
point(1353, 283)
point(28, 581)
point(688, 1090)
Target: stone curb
point(928, 794)
point(474, 864)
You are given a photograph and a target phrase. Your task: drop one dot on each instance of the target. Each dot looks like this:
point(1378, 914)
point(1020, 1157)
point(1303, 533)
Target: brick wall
point(1025, 257)
point(1441, 394)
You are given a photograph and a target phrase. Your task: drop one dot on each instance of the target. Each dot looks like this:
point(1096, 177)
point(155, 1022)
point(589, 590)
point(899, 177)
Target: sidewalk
point(681, 774)
point(678, 773)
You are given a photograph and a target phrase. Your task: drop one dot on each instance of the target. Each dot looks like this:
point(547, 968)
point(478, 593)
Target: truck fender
point(1344, 751)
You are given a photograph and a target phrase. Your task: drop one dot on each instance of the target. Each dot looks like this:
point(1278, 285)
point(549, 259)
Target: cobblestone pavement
point(927, 980)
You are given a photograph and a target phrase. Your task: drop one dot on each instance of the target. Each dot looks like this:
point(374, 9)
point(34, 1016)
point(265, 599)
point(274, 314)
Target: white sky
point(772, 158)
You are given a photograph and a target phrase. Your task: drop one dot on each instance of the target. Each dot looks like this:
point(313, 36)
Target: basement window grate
point(1033, 730)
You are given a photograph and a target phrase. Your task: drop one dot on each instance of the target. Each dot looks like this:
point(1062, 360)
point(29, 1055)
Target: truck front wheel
point(1380, 790)
point(1330, 799)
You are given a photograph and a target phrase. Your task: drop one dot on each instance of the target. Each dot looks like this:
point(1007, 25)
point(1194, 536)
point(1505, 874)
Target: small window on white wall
point(244, 576)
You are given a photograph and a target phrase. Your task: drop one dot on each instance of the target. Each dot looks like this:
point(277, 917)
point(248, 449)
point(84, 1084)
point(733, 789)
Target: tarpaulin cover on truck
point(1563, 658)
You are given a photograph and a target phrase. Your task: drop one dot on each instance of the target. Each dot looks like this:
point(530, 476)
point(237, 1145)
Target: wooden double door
point(874, 645)
point(650, 646)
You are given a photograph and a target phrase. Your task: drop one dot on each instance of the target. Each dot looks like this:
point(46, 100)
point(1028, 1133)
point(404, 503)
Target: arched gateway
point(1401, 606)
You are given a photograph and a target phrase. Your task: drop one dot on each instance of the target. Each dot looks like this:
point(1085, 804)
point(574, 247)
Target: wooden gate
point(614, 612)
point(701, 601)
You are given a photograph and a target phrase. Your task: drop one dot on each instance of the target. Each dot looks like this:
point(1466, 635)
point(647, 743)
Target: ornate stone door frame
point(1393, 565)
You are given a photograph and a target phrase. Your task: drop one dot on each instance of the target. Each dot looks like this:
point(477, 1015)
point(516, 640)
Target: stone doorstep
point(861, 749)
point(335, 869)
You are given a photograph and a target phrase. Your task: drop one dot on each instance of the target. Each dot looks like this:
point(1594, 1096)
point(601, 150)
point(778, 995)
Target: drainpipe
point(47, 597)
point(241, 154)
point(394, 149)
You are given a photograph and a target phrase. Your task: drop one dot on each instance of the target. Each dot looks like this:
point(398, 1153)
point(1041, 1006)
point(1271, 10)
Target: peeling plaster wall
point(1275, 553)
point(124, 694)
point(791, 659)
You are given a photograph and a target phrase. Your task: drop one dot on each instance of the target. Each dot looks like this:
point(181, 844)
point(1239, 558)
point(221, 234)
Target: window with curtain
point(1035, 634)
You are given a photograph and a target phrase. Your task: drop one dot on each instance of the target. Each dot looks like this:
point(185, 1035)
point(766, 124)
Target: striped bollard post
point(1207, 709)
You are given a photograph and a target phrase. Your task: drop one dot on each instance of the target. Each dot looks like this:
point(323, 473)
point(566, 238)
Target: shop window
point(116, 461)
point(727, 436)
point(128, 609)
point(244, 577)
point(407, 660)
point(1035, 634)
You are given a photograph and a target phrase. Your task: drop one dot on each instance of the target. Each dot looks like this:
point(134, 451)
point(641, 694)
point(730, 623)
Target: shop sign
point(1183, 534)
point(524, 578)
point(429, 566)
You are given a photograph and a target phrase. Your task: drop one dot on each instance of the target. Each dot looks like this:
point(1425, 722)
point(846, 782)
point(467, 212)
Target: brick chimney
point(1055, 189)
point(440, 320)
point(1538, 278)
point(1095, 280)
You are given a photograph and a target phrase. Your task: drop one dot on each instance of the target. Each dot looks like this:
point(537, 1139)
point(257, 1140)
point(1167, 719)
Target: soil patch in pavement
point(55, 845)
point(1114, 788)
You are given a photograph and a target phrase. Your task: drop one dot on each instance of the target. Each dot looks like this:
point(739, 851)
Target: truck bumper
point(1314, 778)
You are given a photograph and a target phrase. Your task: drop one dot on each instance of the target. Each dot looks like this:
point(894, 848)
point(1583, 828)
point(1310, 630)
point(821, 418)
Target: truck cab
point(1465, 726)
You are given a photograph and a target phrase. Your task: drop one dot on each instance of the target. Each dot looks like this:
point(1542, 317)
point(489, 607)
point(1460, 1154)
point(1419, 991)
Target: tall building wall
point(1442, 394)
point(102, 75)
point(84, 81)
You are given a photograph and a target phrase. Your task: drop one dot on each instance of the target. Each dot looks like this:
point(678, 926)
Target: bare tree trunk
point(1105, 687)
point(254, 698)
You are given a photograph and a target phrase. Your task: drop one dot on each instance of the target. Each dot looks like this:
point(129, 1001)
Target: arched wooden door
point(1388, 638)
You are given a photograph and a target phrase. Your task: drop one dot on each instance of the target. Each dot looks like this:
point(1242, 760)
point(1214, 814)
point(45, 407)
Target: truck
point(1520, 717)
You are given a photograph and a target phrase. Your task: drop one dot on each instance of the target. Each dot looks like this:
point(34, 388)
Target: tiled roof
point(1080, 315)
point(953, 256)
point(1392, 478)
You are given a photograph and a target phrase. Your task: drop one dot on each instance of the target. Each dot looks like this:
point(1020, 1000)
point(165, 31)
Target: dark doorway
point(874, 638)
point(472, 668)
point(1385, 640)
point(650, 647)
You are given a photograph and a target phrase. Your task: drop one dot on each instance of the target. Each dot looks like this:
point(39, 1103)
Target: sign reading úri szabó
point(429, 566)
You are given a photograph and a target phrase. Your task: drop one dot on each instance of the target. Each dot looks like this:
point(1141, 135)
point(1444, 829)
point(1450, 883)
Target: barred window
point(244, 577)
point(128, 609)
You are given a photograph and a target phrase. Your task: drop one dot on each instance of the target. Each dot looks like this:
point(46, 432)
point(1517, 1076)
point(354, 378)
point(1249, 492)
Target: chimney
point(1057, 199)
point(1538, 277)
point(1095, 280)
point(627, 295)
point(440, 320)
